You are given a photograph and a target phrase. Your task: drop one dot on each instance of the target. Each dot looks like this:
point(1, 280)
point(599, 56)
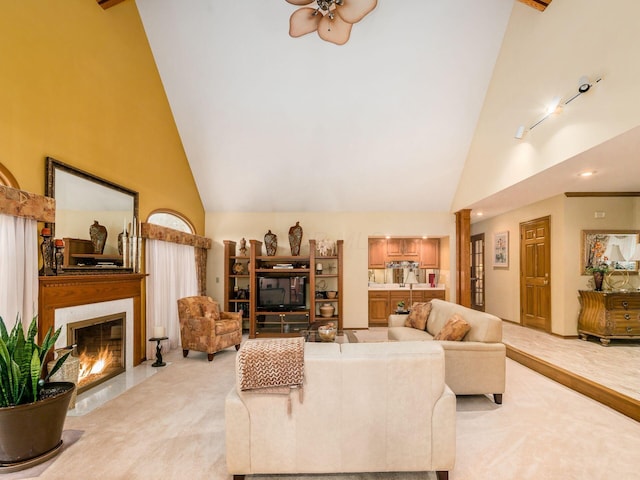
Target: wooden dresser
point(609, 315)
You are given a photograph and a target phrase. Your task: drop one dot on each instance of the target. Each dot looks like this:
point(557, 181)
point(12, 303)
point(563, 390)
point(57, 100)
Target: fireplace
point(100, 345)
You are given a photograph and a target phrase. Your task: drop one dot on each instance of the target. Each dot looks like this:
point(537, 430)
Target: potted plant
point(32, 411)
point(598, 271)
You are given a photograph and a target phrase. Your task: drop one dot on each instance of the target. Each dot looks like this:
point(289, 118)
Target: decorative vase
point(327, 310)
point(295, 239)
point(98, 235)
point(271, 243)
point(32, 433)
point(597, 281)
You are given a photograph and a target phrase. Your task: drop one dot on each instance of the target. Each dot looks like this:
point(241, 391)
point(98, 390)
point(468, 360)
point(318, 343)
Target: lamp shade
point(636, 254)
point(616, 254)
point(411, 278)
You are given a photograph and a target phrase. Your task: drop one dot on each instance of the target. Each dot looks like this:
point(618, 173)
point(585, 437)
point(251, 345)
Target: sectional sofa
point(473, 365)
point(367, 407)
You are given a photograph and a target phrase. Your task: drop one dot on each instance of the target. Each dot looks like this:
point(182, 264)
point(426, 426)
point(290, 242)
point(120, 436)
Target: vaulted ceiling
point(274, 123)
point(382, 123)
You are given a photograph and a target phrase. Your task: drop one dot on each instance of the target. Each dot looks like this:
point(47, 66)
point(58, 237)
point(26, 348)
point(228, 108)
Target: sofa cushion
point(418, 316)
point(454, 329)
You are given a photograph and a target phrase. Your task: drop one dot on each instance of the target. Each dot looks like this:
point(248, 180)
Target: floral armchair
point(204, 328)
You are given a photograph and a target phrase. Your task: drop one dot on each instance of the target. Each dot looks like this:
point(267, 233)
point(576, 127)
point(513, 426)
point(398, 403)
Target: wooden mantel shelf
point(72, 290)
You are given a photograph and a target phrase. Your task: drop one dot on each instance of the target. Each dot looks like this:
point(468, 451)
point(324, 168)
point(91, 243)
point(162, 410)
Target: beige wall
point(353, 228)
point(79, 83)
point(569, 216)
point(543, 55)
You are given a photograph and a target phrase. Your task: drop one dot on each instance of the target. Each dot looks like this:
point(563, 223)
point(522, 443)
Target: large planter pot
point(31, 434)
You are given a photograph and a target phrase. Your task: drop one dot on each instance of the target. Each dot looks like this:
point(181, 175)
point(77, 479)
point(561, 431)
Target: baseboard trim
point(619, 402)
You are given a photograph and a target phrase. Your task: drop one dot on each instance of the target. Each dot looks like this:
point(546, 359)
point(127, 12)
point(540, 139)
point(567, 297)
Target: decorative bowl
point(332, 294)
point(327, 333)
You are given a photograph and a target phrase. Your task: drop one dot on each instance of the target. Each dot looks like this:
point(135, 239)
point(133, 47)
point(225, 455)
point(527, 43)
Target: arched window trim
point(7, 178)
point(175, 214)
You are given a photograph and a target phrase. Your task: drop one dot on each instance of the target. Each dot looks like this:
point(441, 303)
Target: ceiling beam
point(108, 3)
point(537, 4)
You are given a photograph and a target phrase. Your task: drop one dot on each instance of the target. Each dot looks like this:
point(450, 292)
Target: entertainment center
point(283, 295)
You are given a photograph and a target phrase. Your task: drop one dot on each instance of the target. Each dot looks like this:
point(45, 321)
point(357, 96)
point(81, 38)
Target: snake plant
point(22, 363)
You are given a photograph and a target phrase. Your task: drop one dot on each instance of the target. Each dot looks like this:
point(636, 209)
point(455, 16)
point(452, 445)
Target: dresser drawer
point(623, 302)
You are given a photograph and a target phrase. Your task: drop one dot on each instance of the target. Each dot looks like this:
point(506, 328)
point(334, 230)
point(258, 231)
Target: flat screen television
point(281, 293)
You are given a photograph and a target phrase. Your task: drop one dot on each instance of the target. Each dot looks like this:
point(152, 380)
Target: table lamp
point(411, 280)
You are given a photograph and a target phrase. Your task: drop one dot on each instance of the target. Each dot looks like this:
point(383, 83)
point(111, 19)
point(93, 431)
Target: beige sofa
point(376, 407)
point(475, 365)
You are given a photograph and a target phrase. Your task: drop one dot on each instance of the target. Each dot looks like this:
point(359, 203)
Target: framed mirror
point(610, 247)
point(82, 199)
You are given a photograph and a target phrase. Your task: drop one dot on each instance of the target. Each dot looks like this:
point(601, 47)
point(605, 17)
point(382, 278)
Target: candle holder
point(158, 362)
point(46, 247)
point(59, 255)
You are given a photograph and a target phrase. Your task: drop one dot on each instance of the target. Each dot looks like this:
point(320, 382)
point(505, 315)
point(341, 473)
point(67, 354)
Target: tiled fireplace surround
point(71, 298)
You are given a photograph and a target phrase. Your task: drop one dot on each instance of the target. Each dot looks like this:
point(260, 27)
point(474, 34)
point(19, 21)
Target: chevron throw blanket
point(274, 366)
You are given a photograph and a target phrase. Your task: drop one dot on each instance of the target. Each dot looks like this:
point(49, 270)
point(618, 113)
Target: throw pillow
point(418, 316)
point(212, 310)
point(454, 329)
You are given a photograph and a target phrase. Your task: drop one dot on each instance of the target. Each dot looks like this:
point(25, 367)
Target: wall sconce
point(556, 105)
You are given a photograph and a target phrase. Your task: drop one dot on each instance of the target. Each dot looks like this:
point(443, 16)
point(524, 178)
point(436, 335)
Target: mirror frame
point(51, 165)
point(585, 247)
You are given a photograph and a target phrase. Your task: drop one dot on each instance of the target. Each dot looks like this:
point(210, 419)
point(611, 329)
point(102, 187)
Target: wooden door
point(377, 252)
point(535, 274)
point(477, 272)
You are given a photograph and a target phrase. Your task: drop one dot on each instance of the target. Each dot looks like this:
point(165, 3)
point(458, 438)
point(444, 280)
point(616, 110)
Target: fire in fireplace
point(100, 347)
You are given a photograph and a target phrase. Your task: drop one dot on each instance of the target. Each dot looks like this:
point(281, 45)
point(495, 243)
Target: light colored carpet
point(171, 426)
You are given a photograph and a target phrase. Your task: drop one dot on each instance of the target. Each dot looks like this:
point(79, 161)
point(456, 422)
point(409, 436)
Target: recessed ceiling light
point(587, 174)
point(387, 237)
point(479, 214)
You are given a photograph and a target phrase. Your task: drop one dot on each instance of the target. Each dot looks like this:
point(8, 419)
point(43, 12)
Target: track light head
point(583, 84)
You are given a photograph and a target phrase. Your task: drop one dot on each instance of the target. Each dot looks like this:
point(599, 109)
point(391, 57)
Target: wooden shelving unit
point(242, 281)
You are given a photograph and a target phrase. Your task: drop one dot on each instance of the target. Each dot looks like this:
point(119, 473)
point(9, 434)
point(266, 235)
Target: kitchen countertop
point(396, 286)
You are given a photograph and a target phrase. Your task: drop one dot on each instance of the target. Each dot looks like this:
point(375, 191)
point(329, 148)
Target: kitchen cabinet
point(384, 303)
point(377, 252)
point(378, 308)
point(430, 253)
point(403, 249)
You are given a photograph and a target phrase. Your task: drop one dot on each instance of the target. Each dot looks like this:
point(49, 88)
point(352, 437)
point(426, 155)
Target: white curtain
point(172, 275)
point(18, 269)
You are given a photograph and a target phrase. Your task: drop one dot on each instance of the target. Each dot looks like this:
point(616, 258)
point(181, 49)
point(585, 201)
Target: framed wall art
point(501, 249)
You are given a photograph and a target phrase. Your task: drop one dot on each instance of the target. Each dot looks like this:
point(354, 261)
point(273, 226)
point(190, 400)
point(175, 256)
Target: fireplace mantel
point(71, 290)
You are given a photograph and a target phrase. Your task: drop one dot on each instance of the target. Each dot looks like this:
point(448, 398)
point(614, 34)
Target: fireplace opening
point(100, 346)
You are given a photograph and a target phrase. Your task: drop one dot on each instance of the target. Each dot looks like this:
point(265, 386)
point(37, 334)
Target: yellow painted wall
point(353, 228)
point(544, 55)
point(79, 83)
point(569, 216)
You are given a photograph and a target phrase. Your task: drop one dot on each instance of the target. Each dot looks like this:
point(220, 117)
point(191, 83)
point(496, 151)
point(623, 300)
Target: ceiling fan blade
point(335, 31)
point(353, 11)
point(303, 21)
point(300, 2)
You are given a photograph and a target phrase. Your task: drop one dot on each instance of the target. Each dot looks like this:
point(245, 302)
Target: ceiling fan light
point(302, 21)
point(352, 11)
point(334, 31)
point(299, 2)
